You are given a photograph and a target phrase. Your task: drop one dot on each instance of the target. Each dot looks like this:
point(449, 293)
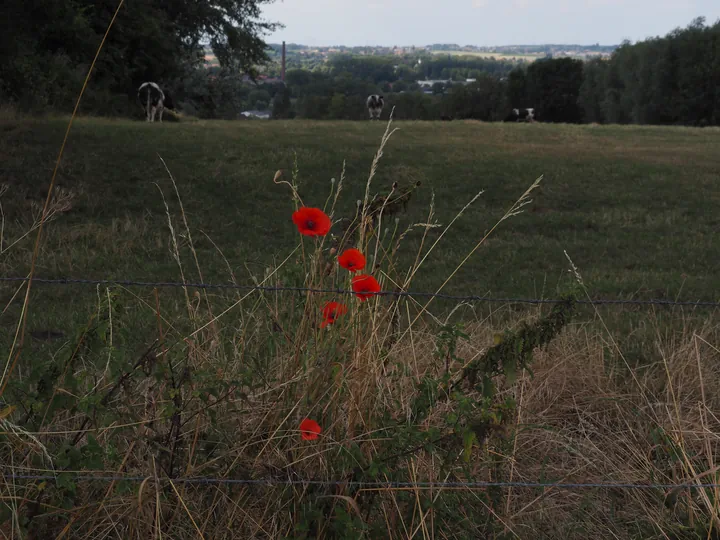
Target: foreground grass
point(583, 417)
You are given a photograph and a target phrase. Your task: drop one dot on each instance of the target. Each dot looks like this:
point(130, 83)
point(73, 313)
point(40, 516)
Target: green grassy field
point(228, 379)
point(636, 208)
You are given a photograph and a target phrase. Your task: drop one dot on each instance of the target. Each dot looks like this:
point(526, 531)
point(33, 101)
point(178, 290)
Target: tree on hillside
point(400, 86)
point(517, 88)
point(47, 45)
point(481, 100)
point(696, 80)
point(313, 107)
point(282, 105)
point(669, 80)
point(665, 83)
point(374, 69)
point(553, 88)
point(592, 90)
point(463, 67)
point(337, 107)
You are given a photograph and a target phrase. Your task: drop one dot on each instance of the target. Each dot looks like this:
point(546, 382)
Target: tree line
point(670, 80)
point(48, 45)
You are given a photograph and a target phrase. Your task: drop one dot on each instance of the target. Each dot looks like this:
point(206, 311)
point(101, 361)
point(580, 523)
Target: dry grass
point(586, 418)
point(581, 418)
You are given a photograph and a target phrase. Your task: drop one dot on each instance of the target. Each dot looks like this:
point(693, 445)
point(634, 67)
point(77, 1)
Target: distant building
point(261, 115)
point(270, 80)
point(431, 82)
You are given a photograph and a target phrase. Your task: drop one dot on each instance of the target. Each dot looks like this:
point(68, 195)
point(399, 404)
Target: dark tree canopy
point(553, 88)
point(517, 88)
point(48, 44)
point(483, 100)
point(670, 80)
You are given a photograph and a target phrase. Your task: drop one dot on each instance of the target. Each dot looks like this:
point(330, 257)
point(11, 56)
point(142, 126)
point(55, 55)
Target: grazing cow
point(375, 105)
point(153, 100)
point(521, 115)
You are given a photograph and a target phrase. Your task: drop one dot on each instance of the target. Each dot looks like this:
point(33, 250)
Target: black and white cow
point(521, 115)
point(375, 105)
point(153, 100)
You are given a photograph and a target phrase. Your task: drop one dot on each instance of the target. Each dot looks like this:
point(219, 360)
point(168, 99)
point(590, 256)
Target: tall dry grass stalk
point(19, 338)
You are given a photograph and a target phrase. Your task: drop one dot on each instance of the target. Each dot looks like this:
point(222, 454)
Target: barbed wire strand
point(367, 485)
point(467, 298)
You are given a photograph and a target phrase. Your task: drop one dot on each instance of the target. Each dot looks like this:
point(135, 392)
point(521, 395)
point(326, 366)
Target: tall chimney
point(282, 69)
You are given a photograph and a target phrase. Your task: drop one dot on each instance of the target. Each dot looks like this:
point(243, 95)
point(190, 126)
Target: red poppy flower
point(352, 259)
point(331, 312)
point(365, 286)
point(311, 221)
point(309, 429)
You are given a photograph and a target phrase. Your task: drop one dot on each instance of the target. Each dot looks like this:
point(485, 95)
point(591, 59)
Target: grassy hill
point(636, 208)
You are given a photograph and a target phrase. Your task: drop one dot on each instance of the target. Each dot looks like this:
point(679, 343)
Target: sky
point(480, 22)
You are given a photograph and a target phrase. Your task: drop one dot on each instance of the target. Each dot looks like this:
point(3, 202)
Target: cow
point(153, 100)
point(375, 105)
point(446, 118)
point(521, 115)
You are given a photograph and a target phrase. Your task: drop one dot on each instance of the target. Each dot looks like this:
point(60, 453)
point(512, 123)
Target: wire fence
point(398, 485)
point(365, 485)
point(414, 294)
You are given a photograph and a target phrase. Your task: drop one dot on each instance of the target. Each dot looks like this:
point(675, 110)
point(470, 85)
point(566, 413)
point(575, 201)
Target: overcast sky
point(481, 22)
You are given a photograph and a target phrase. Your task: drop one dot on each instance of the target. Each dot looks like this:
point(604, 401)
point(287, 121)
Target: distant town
point(304, 56)
point(428, 72)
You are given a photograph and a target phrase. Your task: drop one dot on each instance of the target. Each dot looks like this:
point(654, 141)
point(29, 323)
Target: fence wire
point(415, 294)
point(354, 484)
point(365, 485)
